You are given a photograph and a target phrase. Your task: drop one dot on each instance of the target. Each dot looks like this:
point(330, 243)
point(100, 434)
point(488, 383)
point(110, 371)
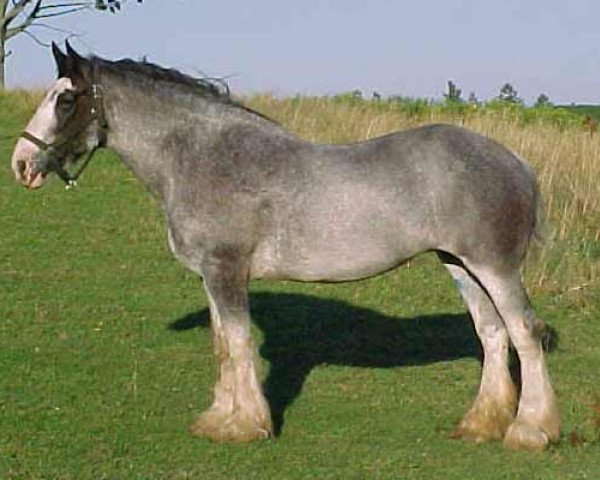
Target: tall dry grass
point(22, 102)
point(567, 162)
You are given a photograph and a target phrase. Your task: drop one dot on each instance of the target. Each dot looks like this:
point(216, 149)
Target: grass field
point(105, 354)
point(591, 110)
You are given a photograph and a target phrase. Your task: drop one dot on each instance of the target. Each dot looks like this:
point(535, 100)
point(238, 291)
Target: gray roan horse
point(244, 198)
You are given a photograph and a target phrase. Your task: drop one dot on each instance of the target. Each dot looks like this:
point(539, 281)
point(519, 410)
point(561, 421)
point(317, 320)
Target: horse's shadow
point(302, 332)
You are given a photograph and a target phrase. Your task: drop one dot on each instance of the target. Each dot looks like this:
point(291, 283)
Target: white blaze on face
point(43, 126)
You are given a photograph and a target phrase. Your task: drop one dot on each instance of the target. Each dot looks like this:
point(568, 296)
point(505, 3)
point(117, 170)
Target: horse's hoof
point(521, 436)
point(484, 423)
point(232, 428)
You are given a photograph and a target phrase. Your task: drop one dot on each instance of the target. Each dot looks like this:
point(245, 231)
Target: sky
point(324, 47)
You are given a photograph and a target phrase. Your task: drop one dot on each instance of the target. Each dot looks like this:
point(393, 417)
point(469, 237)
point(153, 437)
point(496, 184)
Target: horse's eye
point(66, 101)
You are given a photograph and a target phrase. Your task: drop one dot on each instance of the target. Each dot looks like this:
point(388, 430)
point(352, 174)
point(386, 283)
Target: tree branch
point(11, 32)
point(18, 8)
point(3, 7)
point(34, 14)
point(50, 9)
point(65, 5)
point(35, 39)
point(55, 29)
point(63, 12)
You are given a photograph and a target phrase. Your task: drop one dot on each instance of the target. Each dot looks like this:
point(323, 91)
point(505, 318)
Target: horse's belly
point(334, 262)
point(339, 235)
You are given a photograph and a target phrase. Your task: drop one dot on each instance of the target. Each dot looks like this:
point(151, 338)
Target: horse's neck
point(139, 125)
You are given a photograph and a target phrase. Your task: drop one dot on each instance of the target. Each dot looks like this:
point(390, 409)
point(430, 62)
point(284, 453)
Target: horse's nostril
point(21, 166)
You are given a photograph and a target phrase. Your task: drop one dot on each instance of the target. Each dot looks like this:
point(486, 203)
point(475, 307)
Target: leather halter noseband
point(50, 150)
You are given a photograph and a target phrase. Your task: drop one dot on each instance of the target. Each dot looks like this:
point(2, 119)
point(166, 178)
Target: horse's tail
point(536, 236)
point(536, 229)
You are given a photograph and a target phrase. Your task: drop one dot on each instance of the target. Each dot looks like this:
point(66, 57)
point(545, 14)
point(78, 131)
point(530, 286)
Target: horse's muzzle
point(29, 174)
point(28, 171)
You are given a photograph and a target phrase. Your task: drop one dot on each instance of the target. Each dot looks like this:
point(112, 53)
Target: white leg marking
point(494, 408)
point(538, 419)
point(239, 411)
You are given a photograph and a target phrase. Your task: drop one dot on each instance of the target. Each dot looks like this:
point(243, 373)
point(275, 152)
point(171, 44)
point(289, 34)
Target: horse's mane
point(215, 89)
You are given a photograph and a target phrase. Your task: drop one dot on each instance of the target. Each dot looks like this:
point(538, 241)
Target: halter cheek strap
point(43, 146)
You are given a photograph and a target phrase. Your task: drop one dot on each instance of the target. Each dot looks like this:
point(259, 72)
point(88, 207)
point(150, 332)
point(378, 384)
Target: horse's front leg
point(239, 412)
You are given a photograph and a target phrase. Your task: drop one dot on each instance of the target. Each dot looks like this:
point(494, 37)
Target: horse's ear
point(79, 65)
point(62, 61)
point(73, 54)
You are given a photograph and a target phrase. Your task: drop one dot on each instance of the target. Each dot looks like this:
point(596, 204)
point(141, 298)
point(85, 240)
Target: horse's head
point(68, 124)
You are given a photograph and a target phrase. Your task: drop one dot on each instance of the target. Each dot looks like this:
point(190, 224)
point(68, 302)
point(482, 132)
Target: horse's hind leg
point(495, 405)
point(239, 412)
point(538, 420)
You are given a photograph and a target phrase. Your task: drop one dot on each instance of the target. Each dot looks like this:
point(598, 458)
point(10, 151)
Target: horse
point(244, 198)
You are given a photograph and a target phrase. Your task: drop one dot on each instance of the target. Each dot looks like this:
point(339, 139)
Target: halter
point(50, 150)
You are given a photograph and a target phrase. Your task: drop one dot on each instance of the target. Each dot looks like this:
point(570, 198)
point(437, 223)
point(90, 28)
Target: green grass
point(583, 110)
point(105, 357)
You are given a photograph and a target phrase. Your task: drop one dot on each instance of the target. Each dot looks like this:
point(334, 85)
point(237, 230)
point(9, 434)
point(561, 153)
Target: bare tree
point(22, 16)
